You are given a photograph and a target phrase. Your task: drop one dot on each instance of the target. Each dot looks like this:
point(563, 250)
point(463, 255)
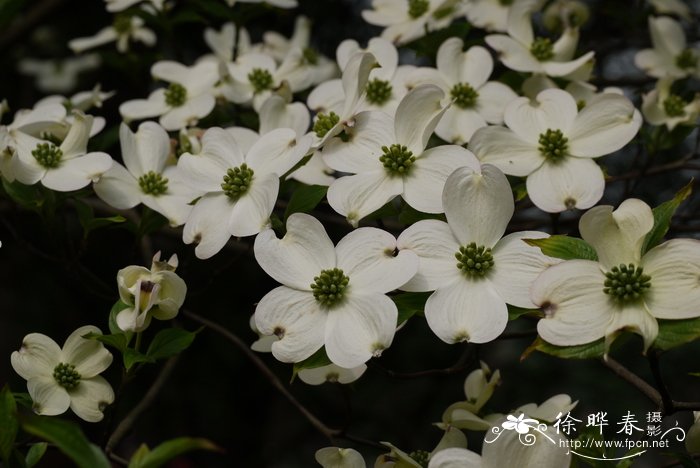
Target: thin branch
point(634, 380)
point(463, 363)
point(116, 458)
point(666, 400)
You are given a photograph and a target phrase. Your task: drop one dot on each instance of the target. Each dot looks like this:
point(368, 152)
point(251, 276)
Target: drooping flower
point(330, 296)
point(156, 293)
point(586, 300)
point(473, 271)
point(670, 55)
point(554, 144)
point(61, 378)
point(331, 374)
point(661, 106)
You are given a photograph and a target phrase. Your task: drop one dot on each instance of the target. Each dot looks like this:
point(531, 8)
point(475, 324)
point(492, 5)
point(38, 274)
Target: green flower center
point(324, 123)
point(260, 79)
point(474, 260)
point(397, 159)
point(175, 95)
point(378, 91)
point(47, 155)
point(122, 24)
point(553, 145)
point(422, 457)
point(542, 49)
point(237, 181)
point(66, 376)
point(417, 8)
point(310, 56)
point(626, 283)
point(329, 286)
point(686, 59)
point(674, 105)
point(153, 183)
point(443, 12)
point(50, 137)
point(464, 95)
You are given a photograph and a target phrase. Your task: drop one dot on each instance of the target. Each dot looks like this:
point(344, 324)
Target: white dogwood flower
point(58, 76)
point(147, 177)
point(554, 144)
point(330, 296)
point(388, 157)
point(670, 55)
point(406, 20)
point(124, 29)
point(661, 106)
point(335, 457)
point(61, 378)
point(240, 188)
point(473, 271)
point(585, 300)
point(463, 76)
point(331, 374)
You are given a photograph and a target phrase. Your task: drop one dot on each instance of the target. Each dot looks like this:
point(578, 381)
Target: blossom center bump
point(686, 59)
point(122, 24)
point(324, 123)
point(329, 286)
point(260, 79)
point(473, 260)
point(464, 95)
point(48, 155)
point(397, 159)
point(66, 376)
point(153, 183)
point(542, 49)
point(417, 8)
point(175, 95)
point(553, 145)
point(626, 283)
point(378, 91)
point(237, 181)
point(674, 105)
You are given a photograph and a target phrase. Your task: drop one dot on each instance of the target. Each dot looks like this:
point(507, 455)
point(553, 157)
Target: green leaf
point(132, 357)
point(564, 247)
point(117, 341)
point(36, 451)
point(591, 350)
point(519, 191)
point(170, 342)
point(8, 423)
point(674, 333)
point(515, 312)
point(318, 359)
point(662, 218)
point(27, 196)
point(169, 450)
point(305, 198)
point(410, 304)
point(67, 437)
point(87, 219)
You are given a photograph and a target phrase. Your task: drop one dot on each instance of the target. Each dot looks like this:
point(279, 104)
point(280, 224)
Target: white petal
point(517, 265)
point(576, 309)
point(417, 116)
point(90, 397)
point(331, 373)
point(90, 357)
point(153, 146)
point(277, 152)
point(296, 318)
point(666, 35)
point(505, 150)
point(303, 252)
point(435, 245)
point(76, 140)
point(570, 183)
point(360, 327)
point(103, 36)
point(466, 310)
point(354, 80)
point(604, 126)
point(357, 196)
point(472, 197)
point(370, 131)
point(554, 109)
point(335, 457)
point(366, 256)
point(76, 173)
point(568, 68)
point(674, 267)
point(118, 188)
point(424, 185)
point(565, 47)
point(188, 113)
point(251, 213)
point(170, 71)
point(492, 101)
point(50, 399)
point(617, 236)
point(38, 356)
point(458, 125)
point(636, 318)
point(136, 109)
point(207, 225)
point(455, 457)
point(513, 54)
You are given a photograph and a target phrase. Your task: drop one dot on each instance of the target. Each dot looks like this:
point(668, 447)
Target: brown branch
point(634, 380)
point(463, 363)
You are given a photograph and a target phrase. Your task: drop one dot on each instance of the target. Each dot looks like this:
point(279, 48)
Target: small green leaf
point(519, 191)
point(591, 350)
point(27, 196)
point(118, 341)
point(8, 423)
point(515, 312)
point(564, 247)
point(132, 357)
point(318, 359)
point(23, 399)
point(170, 342)
point(36, 451)
point(87, 219)
point(169, 450)
point(410, 304)
point(674, 333)
point(305, 198)
point(67, 437)
point(662, 217)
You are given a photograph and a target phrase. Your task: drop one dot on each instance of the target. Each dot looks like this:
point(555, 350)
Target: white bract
point(124, 29)
point(388, 157)
point(521, 51)
point(188, 98)
point(406, 20)
point(473, 271)
point(491, 15)
point(335, 457)
point(672, 7)
point(61, 378)
point(156, 293)
point(661, 106)
point(331, 374)
point(586, 300)
point(554, 144)
point(670, 55)
point(463, 76)
point(62, 168)
point(240, 187)
point(120, 5)
point(330, 296)
point(58, 76)
point(147, 177)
